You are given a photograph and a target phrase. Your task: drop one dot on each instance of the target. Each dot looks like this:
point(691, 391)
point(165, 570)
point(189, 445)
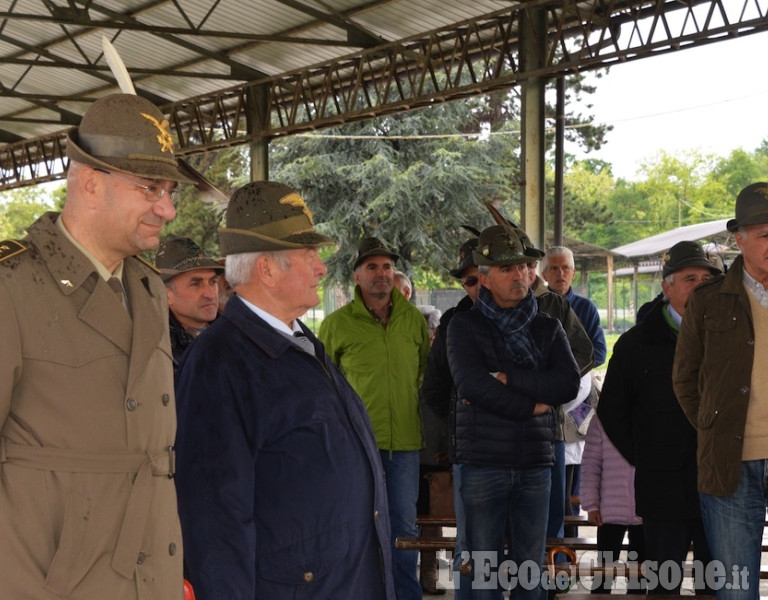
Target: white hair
point(403, 278)
point(432, 315)
point(239, 267)
point(557, 251)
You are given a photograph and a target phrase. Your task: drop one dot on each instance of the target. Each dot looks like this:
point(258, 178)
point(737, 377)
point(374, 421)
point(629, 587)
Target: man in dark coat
point(192, 283)
point(511, 365)
point(281, 490)
point(640, 413)
point(438, 405)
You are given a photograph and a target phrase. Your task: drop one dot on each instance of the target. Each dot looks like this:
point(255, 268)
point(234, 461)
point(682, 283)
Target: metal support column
point(259, 148)
point(533, 30)
point(559, 163)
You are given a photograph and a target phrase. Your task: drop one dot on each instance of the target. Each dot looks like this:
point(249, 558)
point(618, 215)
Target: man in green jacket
point(721, 384)
point(380, 342)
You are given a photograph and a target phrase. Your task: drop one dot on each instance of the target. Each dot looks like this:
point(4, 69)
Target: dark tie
point(304, 342)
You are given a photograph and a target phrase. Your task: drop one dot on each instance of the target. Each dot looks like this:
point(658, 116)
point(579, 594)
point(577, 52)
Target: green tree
point(21, 207)
point(587, 186)
point(739, 169)
point(199, 217)
point(412, 179)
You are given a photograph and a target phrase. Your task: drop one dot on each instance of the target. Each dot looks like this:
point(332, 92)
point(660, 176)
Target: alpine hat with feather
point(266, 215)
point(126, 134)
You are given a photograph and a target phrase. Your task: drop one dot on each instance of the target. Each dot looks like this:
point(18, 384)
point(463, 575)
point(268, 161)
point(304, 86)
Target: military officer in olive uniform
point(87, 415)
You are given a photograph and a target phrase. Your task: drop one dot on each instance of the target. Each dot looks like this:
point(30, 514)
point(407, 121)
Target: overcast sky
point(713, 98)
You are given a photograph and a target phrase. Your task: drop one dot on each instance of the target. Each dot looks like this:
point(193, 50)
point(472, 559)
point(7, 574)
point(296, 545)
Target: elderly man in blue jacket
point(281, 490)
point(511, 365)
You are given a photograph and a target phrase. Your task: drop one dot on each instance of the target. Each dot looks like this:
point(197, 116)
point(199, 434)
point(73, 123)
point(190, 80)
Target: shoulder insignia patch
point(9, 248)
point(146, 263)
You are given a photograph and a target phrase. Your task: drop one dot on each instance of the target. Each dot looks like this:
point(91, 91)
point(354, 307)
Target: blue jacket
point(497, 427)
point(586, 310)
point(280, 486)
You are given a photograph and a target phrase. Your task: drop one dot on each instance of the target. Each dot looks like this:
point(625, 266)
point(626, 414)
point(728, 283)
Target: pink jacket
point(607, 480)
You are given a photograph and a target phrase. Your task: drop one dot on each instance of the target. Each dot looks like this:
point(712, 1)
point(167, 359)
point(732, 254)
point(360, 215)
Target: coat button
point(744, 390)
point(376, 516)
point(172, 549)
point(131, 404)
point(141, 558)
point(308, 577)
point(166, 399)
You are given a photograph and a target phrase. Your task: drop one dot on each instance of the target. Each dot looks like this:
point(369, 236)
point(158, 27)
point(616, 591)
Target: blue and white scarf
point(514, 323)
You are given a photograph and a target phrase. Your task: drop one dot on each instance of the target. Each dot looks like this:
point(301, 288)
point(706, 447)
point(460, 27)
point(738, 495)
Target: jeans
point(462, 583)
point(401, 473)
point(490, 495)
point(557, 498)
point(734, 528)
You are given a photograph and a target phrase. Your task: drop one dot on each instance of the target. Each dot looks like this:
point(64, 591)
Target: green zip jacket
point(385, 366)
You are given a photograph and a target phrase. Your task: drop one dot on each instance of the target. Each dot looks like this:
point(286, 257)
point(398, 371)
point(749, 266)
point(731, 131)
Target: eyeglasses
point(154, 191)
point(470, 281)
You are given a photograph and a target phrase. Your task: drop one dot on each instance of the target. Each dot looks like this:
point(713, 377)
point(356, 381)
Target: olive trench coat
point(712, 375)
point(87, 420)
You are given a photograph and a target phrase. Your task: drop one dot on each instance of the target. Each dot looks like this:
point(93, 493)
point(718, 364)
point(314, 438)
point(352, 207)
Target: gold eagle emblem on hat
point(297, 201)
point(165, 139)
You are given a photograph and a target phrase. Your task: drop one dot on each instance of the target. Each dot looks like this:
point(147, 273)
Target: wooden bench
point(429, 520)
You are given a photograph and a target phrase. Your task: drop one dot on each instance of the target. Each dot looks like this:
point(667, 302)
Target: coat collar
point(259, 331)
point(72, 272)
point(654, 327)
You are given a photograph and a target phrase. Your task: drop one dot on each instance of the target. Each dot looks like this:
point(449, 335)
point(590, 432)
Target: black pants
point(610, 538)
point(671, 540)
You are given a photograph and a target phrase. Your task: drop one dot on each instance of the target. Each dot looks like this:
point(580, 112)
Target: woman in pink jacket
point(608, 496)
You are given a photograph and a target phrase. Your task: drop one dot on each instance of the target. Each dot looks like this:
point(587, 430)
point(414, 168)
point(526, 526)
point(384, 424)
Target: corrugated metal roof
point(51, 56)
point(659, 243)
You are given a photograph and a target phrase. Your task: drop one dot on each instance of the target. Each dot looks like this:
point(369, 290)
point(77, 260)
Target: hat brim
point(692, 262)
point(529, 255)
point(240, 241)
point(202, 265)
point(465, 264)
point(149, 169)
point(361, 259)
point(733, 225)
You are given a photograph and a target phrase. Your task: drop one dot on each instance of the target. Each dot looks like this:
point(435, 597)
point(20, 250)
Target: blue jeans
point(490, 496)
point(734, 528)
point(461, 583)
point(401, 473)
point(557, 495)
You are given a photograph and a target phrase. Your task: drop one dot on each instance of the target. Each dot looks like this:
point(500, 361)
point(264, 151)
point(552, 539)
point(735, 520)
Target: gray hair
point(239, 267)
point(557, 251)
point(432, 315)
point(402, 278)
point(484, 269)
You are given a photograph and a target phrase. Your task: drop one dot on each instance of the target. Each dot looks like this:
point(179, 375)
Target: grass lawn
point(610, 340)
